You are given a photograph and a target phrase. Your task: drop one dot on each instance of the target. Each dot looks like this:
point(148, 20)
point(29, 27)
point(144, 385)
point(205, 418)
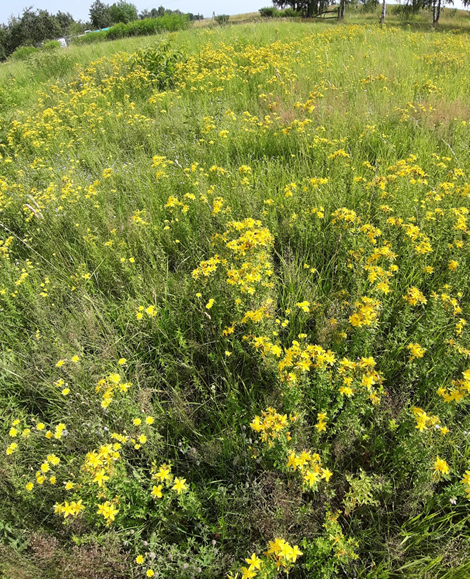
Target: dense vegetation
point(25, 34)
point(409, 8)
point(234, 299)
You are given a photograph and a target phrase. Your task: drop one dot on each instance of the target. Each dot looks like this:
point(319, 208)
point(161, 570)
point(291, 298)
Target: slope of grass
point(234, 297)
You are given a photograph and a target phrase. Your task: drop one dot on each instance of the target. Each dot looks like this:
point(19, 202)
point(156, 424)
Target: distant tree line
point(311, 8)
point(104, 15)
point(34, 27)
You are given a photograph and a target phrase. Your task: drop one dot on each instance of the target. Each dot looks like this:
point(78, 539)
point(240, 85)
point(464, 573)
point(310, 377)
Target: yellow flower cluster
point(322, 420)
point(300, 358)
point(99, 464)
point(283, 553)
point(207, 267)
point(310, 468)
point(110, 386)
point(11, 448)
point(345, 216)
point(459, 389)
point(271, 425)
point(466, 483)
point(173, 201)
point(45, 469)
point(247, 261)
point(261, 313)
point(450, 304)
point(163, 475)
point(264, 344)
point(441, 467)
point(366, 312)
point(250, 252)
point(99, 468)
point(425, 421)
point(59, 431)
point(416, 351)
point(359, 376)
point(26, 432)
point(414, 297)
point(151, 312)
point(279, 552)
point(108, 511)
point(459, 326)
point(66, 509)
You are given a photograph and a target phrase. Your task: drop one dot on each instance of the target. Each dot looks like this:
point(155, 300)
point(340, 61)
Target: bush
point(222, 19)
point(145, 27)
point(118, 31)
point(160, 60)
point(51, 45)
point(174, 22)
point(289, 13)
point(90, 38)
point(269, 12)
point(23, 52)
point(405, 11)
point(369, 6)
point(50, 64)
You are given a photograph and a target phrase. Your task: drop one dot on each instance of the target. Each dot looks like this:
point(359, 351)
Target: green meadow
point(234, 304)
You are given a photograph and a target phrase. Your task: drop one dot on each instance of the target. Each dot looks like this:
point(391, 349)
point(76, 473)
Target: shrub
point(23, 52)
point(404, 11)
point(160, 61)
point(269, 12)
point(51, 45)
point(145, 27)
point(118, 31)
point(49, 64)
point(369, 6)
point(90, 38)
point(222, 19)
point(289, 13)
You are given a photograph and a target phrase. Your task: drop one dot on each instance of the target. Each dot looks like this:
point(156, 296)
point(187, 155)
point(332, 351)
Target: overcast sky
point(79, 8)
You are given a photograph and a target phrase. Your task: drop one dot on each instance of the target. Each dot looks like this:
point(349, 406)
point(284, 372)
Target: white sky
point(79, 8)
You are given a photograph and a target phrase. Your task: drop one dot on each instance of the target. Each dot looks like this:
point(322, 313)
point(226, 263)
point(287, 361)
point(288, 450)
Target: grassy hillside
point(234, 299)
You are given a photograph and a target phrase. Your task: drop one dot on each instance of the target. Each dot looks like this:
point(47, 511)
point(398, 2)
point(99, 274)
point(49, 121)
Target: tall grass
point(234, 305)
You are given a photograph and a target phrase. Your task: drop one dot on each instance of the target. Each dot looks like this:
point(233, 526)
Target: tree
point(123, 11)
point(99, 14)
point(3, 42)
point(307, 8)
point(384, 11)
point(145, 14)
point(159, 12)
point(78, 28)
point(65, 21)
point(341, 9)
point(33, 27)
point(154, 13)
point(435, 6)
point(413, 6)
